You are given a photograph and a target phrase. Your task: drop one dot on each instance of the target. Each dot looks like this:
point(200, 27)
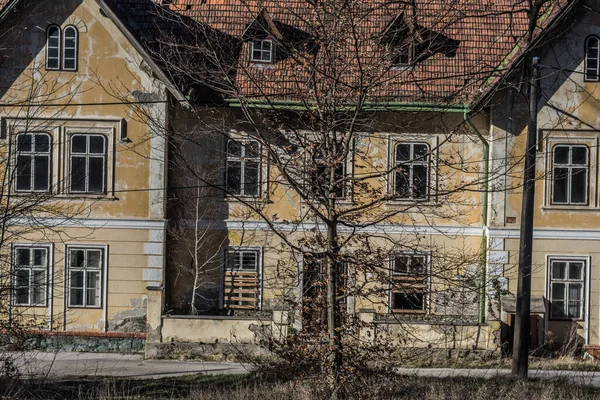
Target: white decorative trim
point(153, 274)
point(564, 234)
point(153, 248)
point(89, 223)
point(374, 229)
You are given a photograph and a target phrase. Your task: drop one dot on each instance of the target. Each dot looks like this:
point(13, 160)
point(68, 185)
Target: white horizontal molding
point(568, 234)
point(374, 229)
point(89, 223)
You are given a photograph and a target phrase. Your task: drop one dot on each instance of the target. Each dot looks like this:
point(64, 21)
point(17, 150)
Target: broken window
point(30, 275)
point(409, 283)
point(592, 58)
point(567, 288)
point(241, 283)
point(261, 50)
point(85, 266)
point(570, 167)
point(33, 162)
point(88, 163)
point(411, 172)
point(243, 168)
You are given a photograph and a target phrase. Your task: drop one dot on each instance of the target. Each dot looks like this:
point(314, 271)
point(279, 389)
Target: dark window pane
point(93, 259)
point(79, 144)
point(96, 175)
point(78, 174)
point(558, 309)
point(421, 151)
point(559, 270)
point(234, 149)
point(402, 186)
point(403, 152)
point(420, 181)
point(77, 279)
point(97, 144)
point(93, 279)
point(22, 296)
point(251, 149)
point(266, 45)
point(76, 297)
point(23, 257)
point(24, 173)
point(22, 278)
point(592, 50)
point(257, 55)
point(251, 174)
point(409, 301)
point(69, 54)
point(234, 181)
point(579, 155)
point(39, 257)
point(579, 186)
point(41, 173)
point(24, 142)
point(249, 260)
point(561, 155)
point(561, 179)
point(70, 64)
point(576, 271)
point(417, 264)
point(42, 143)
point(52, 63)
point(401, 264)
point(77, 258)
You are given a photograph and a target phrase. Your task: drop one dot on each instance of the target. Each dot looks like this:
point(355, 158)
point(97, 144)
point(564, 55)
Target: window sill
point(567, 207)
point(261, 64)
point(31, 305)
point(400, 311)
point(62, 196)
point(86, 307)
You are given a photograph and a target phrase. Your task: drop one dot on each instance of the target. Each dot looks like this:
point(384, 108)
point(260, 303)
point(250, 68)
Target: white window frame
point(75, 48)
point(259, 270)
point(592, 64)
point(102, 278)
point(47, 273)
point(242, 159)
point(31, 154)
point(427, 162)
point(59, 59)
point(393, 274)
point(585, 281)
point(569, 166)
point(270, 52)
point(87, 156)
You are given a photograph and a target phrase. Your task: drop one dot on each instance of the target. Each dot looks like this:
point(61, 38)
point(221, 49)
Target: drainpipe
point(483, 257)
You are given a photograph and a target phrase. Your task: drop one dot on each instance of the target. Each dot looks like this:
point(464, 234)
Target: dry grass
point(233, 387)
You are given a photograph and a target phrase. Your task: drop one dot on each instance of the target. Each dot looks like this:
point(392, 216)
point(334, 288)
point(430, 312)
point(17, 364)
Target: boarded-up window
point(409, 283)
point(241, 281)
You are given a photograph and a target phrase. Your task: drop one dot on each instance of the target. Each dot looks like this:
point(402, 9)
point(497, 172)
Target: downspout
point(483, 256)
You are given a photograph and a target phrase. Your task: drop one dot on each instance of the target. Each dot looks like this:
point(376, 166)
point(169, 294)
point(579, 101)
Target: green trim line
point(483, 256)
point(295, 105)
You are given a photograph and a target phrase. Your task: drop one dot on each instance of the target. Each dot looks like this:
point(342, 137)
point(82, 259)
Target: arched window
point(53, 43)
point(70, 48)
point(592, 58)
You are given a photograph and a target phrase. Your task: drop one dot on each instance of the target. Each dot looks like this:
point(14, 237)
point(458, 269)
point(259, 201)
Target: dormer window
point(402, 56)
point(261, 50)
point(62, 48)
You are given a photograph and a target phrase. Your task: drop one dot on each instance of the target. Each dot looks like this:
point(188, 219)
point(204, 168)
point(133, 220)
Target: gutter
point(484, 219)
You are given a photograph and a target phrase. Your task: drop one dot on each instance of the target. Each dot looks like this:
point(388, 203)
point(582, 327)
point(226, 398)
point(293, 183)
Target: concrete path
point(69, 365)
point(588, 378)
point(72, 365)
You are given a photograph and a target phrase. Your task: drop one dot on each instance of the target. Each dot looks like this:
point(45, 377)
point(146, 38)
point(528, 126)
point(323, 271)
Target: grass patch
point(238, 387)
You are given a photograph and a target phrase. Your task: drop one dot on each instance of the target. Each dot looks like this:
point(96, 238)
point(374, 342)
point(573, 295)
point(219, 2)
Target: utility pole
point(522, 313)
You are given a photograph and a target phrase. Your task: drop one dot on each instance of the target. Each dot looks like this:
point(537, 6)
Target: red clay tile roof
point(483, 33)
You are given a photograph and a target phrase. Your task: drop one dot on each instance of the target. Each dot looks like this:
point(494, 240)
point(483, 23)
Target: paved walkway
point(69, 365)
point(72, 365)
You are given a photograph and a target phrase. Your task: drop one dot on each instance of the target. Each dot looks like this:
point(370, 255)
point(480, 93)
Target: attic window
point(403, 55)
point(261, 50)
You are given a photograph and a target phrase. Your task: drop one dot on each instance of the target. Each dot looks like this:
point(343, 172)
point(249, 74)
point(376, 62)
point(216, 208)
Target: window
point(53, 42)
point(33, 162)
point(70, 48)
point(261, 51)
point(241, 283)
point(411, 175)
point(85, 277)
point(88, 163)
point(592, 58)
point(570, 174)
point(243, 168)
point(62, 48)
point(30, 275)
point(402, 55)
point(319, 176)
point(409, 283)
point(567, 288)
